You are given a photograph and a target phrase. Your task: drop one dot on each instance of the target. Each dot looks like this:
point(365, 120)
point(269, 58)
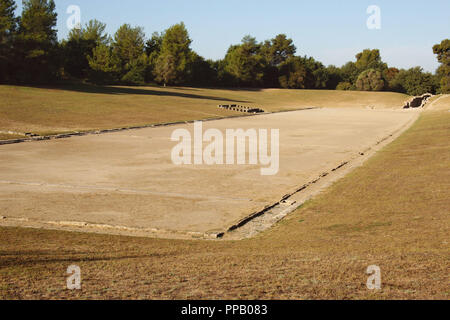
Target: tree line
point(31, 53)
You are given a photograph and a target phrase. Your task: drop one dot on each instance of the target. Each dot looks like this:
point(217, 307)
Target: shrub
point(370, 80)
point(344, 86)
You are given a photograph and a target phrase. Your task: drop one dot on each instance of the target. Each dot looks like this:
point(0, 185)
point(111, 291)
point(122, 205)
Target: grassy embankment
point(64, 109)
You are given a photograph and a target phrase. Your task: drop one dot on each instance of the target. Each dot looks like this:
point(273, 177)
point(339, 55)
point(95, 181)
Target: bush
point(370, 80)
point(415, 82)
point(344, 86)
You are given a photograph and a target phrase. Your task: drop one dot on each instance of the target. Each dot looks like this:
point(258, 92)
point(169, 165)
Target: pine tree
point(128, 49)
point(105, 66)
point(8, 25)
point(442, 51)
point(245, 62)
point(37, 41)
point(80, 45)
point(175, 56)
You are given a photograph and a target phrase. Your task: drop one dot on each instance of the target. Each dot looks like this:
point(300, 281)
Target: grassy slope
point(442, 102)
point(7, 136)
point(392, 212)
point(69, 108)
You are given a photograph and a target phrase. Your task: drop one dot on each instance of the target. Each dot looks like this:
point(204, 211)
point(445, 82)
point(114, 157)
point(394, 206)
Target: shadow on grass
point(28, 258)
point(238, 89)
point(121, 90)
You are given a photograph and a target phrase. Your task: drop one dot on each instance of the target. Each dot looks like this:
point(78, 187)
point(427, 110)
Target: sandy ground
point(127, 179)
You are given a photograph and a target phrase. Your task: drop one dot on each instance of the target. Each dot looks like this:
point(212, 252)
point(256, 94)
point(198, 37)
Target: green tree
point(201, 72)
point(334, 77)
point(442, 51)
point(370, 80)
point(80, 44)
point(415, 82)
point(128, 44)
point(278, 50)
point(293, 73)
point(153, 50)
point(128, 48)
point(154, 44)
point(245, 63)
point(95, 31)
point(390, 75)
point(317, 76)
point(8, 21)
point(365, 60)
point(349, 73)
point(275, 52)
point(8, 25)
point(175, 56)
point(37, 41)
point(137, 68)
point(370, 59)
point(225, 78)
point(166, 69)
point(104, 64)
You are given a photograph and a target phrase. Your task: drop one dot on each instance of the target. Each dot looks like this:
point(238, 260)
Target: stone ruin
point(418, 102)
point(238, 108)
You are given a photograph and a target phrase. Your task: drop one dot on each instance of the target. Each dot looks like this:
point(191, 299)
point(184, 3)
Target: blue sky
point(331, 31)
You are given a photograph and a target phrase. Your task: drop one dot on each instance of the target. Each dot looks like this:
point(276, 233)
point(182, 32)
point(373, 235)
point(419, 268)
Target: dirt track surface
point(127, 179)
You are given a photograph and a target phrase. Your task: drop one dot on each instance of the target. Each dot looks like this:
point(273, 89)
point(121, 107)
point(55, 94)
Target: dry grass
point(392, 212)
point(441, 102)
point(83, 107)
point(7, 136)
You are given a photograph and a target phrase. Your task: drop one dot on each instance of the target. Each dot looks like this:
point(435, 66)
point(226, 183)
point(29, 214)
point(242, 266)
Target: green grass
point(86, 107)
point(392, 212)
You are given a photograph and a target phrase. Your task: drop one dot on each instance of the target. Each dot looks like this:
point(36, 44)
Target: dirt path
point(126, 183)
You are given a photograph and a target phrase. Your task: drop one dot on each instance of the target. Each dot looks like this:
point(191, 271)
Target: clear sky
point(332, 31)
